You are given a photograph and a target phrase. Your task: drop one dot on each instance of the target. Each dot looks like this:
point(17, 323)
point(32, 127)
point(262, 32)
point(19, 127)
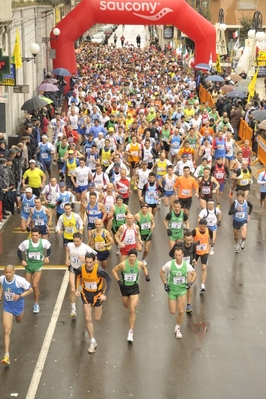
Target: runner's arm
point(116, 269)
point(102, 273)
point(232, 209)
point(250, 207)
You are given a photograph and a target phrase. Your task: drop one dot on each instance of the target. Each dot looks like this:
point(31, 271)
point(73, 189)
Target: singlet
point(71, 166)
point(144, 223)
point(176, 223)
point(175, 142)
point(27, 204)
point(245, 179)
point(241, 214)
point(11, 288)
point(165, 135)
point(34, 255)
point(177, 278)
point(93, 213)
point(161, 167)
point(206, 186)
point(39, 218)
point(168, 183)
point(229, 145)
point(203, 238)
point(90, 280)
point(45, 153)
point(219, 173)
point(70, 226)
point(192, 141)
point(246, 153)
point(52, 193)
point(108, 201)
point(221, 148)
point(91, 158)
point(61, 151)
point(142, 177)
point(130, 275)
point(65, 198)
point(128, 237)
point(106, 157)
point(99, 239)
point(134, 152)
point(119, 215)
point(151, 194)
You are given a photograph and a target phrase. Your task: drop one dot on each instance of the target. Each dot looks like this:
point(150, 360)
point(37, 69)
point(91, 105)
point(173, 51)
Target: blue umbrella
point(61, 72)
point(236, 93)
point(203, 66)
point(214, 78)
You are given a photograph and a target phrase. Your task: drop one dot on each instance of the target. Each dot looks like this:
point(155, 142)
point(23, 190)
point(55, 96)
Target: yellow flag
point(252, 85)
point(218, 64)
point(17, 52)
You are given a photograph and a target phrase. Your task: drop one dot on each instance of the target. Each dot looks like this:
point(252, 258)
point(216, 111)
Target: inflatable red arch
point(133, 12)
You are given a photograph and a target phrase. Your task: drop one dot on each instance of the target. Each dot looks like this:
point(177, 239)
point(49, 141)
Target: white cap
point(32, 161)
point(59, 135)
point(28, 190)
point(44, 136)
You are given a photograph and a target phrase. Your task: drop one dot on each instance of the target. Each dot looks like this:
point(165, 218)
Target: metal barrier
point(205, 96)
point(245, 132)
point(261, 154)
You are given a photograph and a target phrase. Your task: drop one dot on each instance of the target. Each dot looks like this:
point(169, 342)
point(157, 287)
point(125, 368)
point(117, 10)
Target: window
point(247, 4)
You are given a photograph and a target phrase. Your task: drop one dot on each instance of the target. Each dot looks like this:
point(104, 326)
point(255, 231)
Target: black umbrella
point(236, 94)
point(61, 72)
point(33, 104)
point(259, 115)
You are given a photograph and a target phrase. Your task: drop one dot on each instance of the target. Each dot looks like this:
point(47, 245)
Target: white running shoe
point(130, 336)
point(237, 248)
point(202, 288)
point(93, 346)
point(212, 251)
point(242, 244)
point(178, 333)
point(73, 313)
point(117, 251)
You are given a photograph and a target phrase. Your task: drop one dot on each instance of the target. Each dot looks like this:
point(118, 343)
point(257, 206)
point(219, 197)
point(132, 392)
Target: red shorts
point(127, 248)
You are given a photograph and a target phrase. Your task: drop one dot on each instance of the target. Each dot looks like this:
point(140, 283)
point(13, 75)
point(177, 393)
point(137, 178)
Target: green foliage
point(246, 24)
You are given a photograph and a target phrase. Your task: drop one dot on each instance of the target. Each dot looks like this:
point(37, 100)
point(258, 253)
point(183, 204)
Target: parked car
point(99, 38)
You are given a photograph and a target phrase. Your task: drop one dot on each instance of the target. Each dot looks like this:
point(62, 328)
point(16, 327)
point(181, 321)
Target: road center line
point(37, 374)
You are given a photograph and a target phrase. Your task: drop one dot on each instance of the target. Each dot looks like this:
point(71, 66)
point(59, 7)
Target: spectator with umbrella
point(234, 117)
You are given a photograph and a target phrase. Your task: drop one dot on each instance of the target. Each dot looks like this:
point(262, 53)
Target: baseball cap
point(32, 161)
point(62, 184)
point(71, 152)
point(12, 151)
point(28, 190)
point(8, 159)
point(185, 156)
point(60, 135)
point(111, 129)
point(116, 165)
point(91, 184)
point(44, 136)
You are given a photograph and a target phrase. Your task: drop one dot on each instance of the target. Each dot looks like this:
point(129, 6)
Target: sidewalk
point(130, 33)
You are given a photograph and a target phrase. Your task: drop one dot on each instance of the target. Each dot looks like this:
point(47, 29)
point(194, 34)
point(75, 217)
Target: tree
point(246, 25)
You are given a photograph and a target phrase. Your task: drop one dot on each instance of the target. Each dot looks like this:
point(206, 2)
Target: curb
point(4, 221)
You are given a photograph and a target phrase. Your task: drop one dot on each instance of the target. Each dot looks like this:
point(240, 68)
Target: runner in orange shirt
point(183, 188)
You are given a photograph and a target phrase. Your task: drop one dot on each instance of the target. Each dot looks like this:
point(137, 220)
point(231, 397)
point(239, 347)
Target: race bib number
point(82, 182)
point(185, 192)
point(134, 153)
point(240, 215)
point(75, 260)
point(39, 222)
point(44, 155)
point(120, 217)
point(99, 245)
point(206, 190)
point(34, 255)
point(92, 219)
point(91, 285)
point(201, 247)
point(187, 258)
point(69, 230)
point(123, 190)
point(145, 226)
point(27, 209)
point(244, 182)
point(219, 175)
point(179, 280)
point(9, 296)
point(176, 225)
point(129, 240)
point(130, 277)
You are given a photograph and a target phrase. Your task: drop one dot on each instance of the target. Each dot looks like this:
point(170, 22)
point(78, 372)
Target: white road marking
point(37, 374)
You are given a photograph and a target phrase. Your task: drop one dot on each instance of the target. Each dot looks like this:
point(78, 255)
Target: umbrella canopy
point(50, 80)
point(240, 88)
point(203, 66)
point(236, 93)
point(61, 72)
point(262, 125)
point(235, 77)
point(243, 83)
point(33, 104)
point(215, 78)
point(47, 87)
point(227, 88)
point(259, 115)
point(46, 99)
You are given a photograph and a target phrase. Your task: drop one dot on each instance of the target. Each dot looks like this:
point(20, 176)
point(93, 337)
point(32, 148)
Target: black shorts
point(128, 290)
point(203, 258)
point(165, 146)
point(91, 298)
point(133, 164)
point(42, 229)
point(146, 237)
point(126, 201)
point(71, 269)
point(69, 183)
point(243, 188)
point(36, 191)
point(186, 202)
point(237, 225)
point(90, 226)
point(152, 206)
point(60, 165)
point(262, 196)
point(103, 255)
point(205, 197)
point(66, 241)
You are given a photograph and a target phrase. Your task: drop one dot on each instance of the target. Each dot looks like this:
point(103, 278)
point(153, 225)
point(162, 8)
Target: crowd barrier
point(261, 156)
point(245, 132)
point(205, 96)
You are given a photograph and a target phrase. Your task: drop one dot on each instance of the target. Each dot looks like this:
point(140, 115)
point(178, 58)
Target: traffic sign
point(10, 79)
point(4, 65)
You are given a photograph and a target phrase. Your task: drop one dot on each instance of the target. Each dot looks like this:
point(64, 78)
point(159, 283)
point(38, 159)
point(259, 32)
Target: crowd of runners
point(133, 130)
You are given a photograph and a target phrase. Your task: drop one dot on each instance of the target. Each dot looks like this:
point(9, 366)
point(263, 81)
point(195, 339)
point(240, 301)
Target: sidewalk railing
point(205, 96)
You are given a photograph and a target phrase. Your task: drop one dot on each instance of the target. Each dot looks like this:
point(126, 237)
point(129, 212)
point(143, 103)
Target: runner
point(206, 187)
point(75, 256)
point(128, 237)
point(93, 293)
point(183, 188)
point(262, 182)
point(80, 178)
point(45, 152)
point(50, 194)
point(63, 197)
point(102, 241)
point(181, 276)
point(241, 210)
point(68, 223)
point(243, 178)
point(36, 178)
point(151, 193)
point(109, 200)
point(146, 223)
point(213, 217)
point(175, 222)
point(26, 203)
point(14, 288)
point(122, 186)
point(204, 236)
point(34, 250)
point(129, 286)
point(167, 182)
point(141, 177)
point(40, 217)
point(95, 210)
point(221, 173)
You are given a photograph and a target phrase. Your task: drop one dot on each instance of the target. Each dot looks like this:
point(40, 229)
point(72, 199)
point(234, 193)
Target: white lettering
point(128, 6)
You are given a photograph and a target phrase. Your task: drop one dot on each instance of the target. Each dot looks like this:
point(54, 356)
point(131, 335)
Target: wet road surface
point(221, 354)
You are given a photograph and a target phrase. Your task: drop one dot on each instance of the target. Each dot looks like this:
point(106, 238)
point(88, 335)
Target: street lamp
point(221, 47)
point(255, 34)
point(56, 33)
point(34, 49)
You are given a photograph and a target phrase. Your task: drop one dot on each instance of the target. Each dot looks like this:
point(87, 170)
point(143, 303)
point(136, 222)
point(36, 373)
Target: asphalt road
point(221, 354)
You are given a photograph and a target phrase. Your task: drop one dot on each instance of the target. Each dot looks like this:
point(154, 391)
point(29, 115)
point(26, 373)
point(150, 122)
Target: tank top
point(27, 204)
point(106, 157)
point(219, 173)
point(246, 153)
point(245, 179)
point(169, 183)
point(175, 142)
point(206, 186)
point(61, 151)
point(130, 275)
point(90, 280)
point(192, 141)
point(151, 194)
point(70, 226)
point(108, 201)
point(229, 145)
point(241, 214)
point(39, 217)
point(45, 153)
point(71, 166)
point(119, 215)
point(134, 152)
point(203, 238)
point(99, 239)
point(176, 222)
point(10, 289)
point(65, 198)
point(34, 255)
point(165, 135)
point(177, 279)
point(144, 223)
point(93, 213)
point(161, 167)
point(128, 237)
